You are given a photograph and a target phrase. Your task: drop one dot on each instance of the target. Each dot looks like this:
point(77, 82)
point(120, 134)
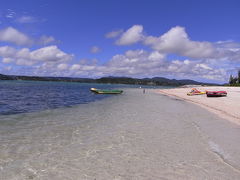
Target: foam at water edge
point(220, 152)
point(216, 149)
point(223, 155)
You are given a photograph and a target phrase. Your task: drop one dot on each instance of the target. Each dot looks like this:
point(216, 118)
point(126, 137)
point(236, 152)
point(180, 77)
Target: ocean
point(32, 96)
point(132, 136)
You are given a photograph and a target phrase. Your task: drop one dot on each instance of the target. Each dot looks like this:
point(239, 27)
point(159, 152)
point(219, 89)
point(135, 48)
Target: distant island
point(155, 81)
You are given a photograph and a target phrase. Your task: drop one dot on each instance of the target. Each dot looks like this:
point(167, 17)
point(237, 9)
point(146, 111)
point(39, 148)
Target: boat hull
point(216, 93)
point(195, 93)
point(106, 91)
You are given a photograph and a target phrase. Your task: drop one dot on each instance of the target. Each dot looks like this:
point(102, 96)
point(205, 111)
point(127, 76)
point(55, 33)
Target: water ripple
point(29, 96)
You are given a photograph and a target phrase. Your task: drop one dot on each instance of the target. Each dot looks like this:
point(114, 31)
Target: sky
point(180, 39)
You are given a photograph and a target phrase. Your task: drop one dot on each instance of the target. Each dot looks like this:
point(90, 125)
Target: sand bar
point(225, 107)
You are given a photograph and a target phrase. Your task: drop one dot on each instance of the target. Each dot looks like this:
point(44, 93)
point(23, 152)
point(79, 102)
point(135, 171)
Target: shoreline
point(224, 107)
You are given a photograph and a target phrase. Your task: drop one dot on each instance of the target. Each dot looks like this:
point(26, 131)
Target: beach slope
point(226, 107)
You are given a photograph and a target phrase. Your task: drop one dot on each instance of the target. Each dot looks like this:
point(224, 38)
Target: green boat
point(106, 91)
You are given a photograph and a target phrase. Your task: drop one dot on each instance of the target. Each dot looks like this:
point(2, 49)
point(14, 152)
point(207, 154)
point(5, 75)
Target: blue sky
point(178, 39)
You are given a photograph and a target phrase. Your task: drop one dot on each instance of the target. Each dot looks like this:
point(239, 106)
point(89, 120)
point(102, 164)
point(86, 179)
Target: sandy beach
point(225, 107)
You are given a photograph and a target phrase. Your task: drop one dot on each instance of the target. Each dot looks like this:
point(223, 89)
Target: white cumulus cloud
point(44, 40)
point(114, 34)
point(50, 53)
point(7, 60)
point(62, 66)
point(176, 41)
point(75, 67)
point(132, 63)
point(131, 36)
point(14, 36)
point(26, 57)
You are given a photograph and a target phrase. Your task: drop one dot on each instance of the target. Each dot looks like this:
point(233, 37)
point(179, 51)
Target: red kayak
point(216, 93)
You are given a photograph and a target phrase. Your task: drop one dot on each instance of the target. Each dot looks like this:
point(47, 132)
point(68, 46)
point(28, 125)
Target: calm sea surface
point(31, 96)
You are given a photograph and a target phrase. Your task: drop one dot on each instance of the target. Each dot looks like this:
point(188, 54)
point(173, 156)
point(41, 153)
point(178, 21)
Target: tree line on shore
point(234, 81)
point(156, 81)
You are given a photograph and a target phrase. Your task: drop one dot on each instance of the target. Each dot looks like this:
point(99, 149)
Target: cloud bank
point(26, 57)
point(176, 41)
point(172, 54)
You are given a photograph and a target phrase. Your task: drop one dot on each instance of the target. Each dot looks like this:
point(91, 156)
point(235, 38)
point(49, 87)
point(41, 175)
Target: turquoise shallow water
point(133, 136)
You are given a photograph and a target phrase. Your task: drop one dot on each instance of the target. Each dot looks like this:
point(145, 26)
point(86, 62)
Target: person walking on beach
point(144, 91)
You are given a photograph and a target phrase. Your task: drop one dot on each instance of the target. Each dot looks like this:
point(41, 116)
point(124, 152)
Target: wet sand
point(133, 136)
point(225, 107)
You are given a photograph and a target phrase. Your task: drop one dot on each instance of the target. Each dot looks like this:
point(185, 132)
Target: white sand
point(225, 107)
